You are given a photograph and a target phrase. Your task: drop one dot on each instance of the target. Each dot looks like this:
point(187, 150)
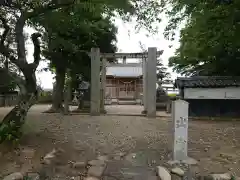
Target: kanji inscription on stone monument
point(181, 122)
point(180, 119)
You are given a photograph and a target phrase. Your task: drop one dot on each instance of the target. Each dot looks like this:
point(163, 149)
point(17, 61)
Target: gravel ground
point(214, 144)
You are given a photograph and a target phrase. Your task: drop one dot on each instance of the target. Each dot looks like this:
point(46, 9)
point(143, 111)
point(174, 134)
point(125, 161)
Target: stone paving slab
point(121, 171)
point(130, 110)
point(96, 171)
point(138, 173)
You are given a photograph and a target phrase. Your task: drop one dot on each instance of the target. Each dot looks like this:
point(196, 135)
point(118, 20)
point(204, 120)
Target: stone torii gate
point(149, 78)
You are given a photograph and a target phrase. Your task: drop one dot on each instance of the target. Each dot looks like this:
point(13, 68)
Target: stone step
point(127, 102)
point(126, 98)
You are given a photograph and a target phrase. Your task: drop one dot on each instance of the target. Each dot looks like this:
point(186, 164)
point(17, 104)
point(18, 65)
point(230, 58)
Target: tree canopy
point(69, 37)
point(209, 42)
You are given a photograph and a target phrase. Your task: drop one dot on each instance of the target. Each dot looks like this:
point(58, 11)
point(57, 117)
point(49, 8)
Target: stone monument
point(84, 97)
point(180, 128)
point(75, 98)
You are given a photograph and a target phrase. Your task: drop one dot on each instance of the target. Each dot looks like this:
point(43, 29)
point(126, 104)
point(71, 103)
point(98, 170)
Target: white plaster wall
point(212, 93)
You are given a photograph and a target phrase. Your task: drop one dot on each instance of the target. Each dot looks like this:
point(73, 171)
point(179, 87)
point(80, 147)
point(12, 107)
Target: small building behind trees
point(210, 95)
point(8, 90)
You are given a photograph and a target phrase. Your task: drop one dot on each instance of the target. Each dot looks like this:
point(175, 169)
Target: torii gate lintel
point(129, 55)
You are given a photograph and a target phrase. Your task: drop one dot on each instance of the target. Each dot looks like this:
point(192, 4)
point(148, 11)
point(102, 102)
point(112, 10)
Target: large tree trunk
point(58, 91)
point(10, 127)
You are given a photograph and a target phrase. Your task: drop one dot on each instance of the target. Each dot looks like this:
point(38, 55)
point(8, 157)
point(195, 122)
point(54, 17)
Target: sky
point(128, 40)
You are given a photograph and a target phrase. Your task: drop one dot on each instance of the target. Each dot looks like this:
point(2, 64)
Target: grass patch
point(172, 95)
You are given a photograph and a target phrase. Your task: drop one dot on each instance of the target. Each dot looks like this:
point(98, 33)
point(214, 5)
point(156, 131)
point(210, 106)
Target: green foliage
point(45, 97)
point(9, 133)
point(172, 95)
point(70, 33)
point(148, 13)
point(27, 178)
point(71, 25)
point(7, 83)
point(233, 177)
point(162, 74)
point(209, 43)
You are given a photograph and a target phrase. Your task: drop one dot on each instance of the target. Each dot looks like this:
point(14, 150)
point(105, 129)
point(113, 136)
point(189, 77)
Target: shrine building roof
point(124, 70)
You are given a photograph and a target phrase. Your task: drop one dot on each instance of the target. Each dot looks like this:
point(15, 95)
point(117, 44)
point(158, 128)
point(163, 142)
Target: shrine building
point(124, 83)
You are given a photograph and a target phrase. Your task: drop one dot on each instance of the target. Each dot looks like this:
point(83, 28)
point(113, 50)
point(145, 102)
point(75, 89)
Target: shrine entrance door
point(127, 90)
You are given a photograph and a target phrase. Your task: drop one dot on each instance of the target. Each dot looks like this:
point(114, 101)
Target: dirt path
point(145, 142)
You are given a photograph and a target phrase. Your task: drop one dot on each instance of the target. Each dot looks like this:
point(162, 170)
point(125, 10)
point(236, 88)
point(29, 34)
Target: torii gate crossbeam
point(128, 55)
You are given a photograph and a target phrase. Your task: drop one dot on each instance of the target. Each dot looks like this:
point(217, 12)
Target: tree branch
point(21, 22)
point(7, 52)
point(21, 50)
point(49, 7)
point(14, 5)
point(37, 50)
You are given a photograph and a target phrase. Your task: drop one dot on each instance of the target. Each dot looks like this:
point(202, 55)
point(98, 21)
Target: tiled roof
point(124, 70)
point(207, 81)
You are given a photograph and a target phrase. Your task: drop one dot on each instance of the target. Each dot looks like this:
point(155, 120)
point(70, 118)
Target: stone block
point(163, 173)
point(96, 163)
point(190, 161)
point(14, 176)
point(177, 171)
point(78, 165)
point(96, 171)
point(225, 176)
point(91, 178)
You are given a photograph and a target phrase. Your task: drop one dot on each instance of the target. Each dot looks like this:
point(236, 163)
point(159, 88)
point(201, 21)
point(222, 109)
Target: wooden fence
point(8, 100)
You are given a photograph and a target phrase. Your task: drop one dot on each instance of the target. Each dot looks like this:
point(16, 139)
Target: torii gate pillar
point(95, 82)
point(151, 81)
point(144, 70)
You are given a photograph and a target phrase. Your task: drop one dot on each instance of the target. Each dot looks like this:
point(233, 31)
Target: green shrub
point(45, 97)
point(172, 95)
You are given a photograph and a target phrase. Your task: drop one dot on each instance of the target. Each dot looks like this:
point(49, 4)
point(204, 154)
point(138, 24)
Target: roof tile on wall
point(207, 82)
